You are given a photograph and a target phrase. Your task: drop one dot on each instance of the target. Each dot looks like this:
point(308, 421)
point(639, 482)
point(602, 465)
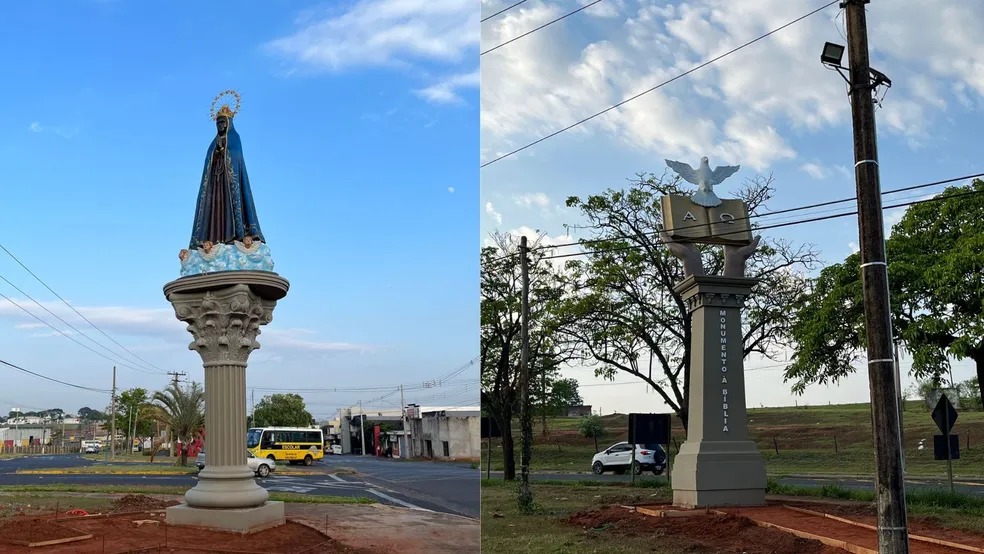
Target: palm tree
point(182, 409)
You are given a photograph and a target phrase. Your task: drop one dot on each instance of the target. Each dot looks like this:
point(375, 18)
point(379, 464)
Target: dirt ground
point(736, 533)
point(700, 534)
point(382, 528)
point(135, 523)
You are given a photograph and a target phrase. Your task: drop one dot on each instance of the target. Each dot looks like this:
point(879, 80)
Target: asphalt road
point(441, 487)
point(967, 486)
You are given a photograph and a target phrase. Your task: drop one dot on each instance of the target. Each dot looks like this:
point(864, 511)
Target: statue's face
point(222, 124)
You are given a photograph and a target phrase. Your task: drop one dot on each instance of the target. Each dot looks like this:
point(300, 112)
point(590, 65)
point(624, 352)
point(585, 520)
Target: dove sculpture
point(704, 178)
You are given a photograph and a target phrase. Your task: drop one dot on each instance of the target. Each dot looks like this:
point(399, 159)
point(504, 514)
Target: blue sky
point(771, 108)
point(359, 130)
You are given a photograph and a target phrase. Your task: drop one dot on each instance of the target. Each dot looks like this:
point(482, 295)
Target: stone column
point(224, 312)
point(346, 431)
point(718, 465)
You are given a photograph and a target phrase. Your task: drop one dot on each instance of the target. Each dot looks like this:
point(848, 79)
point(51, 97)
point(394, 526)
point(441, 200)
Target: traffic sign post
point(945, 415)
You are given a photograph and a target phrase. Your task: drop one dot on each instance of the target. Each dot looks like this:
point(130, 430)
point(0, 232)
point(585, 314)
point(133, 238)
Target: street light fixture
point(832, 54)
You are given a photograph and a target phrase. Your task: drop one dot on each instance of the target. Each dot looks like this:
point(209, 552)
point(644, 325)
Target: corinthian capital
point(224, 322)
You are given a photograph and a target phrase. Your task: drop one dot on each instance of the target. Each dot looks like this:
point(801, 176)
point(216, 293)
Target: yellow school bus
point(291, 444)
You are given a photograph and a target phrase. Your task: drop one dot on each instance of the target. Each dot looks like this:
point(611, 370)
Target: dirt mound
point(22, 531)
point(724, 534)
point(140, 503)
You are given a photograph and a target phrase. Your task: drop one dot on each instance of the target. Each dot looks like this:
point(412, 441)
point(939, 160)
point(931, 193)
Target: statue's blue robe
point(225, 211)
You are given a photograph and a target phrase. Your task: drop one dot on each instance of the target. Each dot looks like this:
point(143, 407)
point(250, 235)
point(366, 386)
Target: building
point(436, 432)
point(446, 434)
point(578, 411)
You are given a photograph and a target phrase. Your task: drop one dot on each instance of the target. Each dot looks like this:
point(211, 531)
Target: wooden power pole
point(525, 415)
point(889, 479)
point(112, 420)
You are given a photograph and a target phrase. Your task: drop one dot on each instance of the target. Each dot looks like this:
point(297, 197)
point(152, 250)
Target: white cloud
point(291, 339)
point(532, 199)
point(815, 170)
point(451, 190)
point(737, 109)
point(64, 132)
point(607, 9)
point(446, 90)
point(382, 33)
point(146, 323)
point(496, 216)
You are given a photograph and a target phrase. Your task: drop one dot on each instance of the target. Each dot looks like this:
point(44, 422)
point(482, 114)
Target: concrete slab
point(239, 520)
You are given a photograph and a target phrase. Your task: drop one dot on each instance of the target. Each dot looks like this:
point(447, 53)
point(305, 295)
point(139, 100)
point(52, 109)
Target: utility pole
point(889, 479)
point(175, 376)
point(525, 417)
point(112, 420)
point(252, 407)
point(362, 428)
point(543, 401)
point(406, 423)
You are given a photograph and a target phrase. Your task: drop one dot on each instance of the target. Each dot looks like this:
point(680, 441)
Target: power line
point(783, 211)
point(777, 225)
point(547, 24)
point(52, 379)
point(70, 326)
point(381, 388)
point(643, 93)
point(584, 242)
point(503, 10)
point(59, 297)
point(69, 337)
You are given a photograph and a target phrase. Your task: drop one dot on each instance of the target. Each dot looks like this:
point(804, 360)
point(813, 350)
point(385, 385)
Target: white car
point(260, 466)
point(616, 458)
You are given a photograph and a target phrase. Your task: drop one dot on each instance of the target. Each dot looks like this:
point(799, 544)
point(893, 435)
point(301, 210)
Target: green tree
point(90, 415)
point(969, 394)
point(563, 394)
point(935, 267)
point(134, 415)
point(182, 410)
point(592, 427)
point(285, 410)
point(627, 316)
point(501, 331)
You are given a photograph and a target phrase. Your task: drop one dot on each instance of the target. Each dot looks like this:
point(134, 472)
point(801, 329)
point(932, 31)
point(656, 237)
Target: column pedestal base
point(226, 487)
point(718, 473)
point(241, 520)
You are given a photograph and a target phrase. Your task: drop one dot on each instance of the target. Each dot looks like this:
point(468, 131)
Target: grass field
point(506, 529)
point(52, 491)
point(815, 440)
point(128, 469)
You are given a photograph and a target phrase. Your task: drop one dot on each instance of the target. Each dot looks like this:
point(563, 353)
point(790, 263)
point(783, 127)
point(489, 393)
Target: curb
point(96, 473)
point(978, 479)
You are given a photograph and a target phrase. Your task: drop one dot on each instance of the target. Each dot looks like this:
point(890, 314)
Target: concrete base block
point(240, 520)
point(718, 473)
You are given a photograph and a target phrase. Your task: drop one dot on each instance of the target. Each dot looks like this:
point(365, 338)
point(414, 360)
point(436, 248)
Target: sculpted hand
point(736, 256)
point(687, 253)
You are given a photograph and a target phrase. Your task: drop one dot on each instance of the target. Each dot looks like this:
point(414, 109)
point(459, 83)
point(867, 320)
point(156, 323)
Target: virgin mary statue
point(225, 212)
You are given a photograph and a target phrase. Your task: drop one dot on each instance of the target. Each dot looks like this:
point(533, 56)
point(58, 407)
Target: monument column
point(224, 322)
point(226, 292)
point(718, 465)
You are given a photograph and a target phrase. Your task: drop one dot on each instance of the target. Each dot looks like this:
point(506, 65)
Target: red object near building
point(375, 436)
